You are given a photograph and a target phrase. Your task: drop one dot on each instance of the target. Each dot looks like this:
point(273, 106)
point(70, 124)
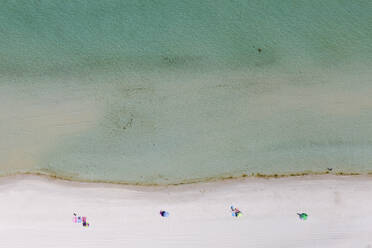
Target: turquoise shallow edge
point(168, 92)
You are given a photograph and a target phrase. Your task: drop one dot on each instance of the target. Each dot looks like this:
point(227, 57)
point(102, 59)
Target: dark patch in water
point(176, 60)
point(129, 123)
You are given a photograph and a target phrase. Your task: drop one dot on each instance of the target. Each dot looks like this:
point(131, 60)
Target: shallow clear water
point(165, 92)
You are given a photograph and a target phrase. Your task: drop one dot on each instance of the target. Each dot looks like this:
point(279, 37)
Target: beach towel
point(236, 214)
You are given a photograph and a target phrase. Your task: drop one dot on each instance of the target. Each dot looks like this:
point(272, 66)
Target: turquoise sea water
point(172, 91)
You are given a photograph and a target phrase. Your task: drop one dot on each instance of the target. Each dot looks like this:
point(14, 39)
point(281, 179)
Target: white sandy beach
point(37, 212)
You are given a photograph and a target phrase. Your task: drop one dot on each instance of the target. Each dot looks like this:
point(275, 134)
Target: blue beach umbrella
point(164, 213)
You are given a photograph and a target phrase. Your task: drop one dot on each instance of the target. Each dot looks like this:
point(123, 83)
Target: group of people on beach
point(235, 212)
point(80, 219)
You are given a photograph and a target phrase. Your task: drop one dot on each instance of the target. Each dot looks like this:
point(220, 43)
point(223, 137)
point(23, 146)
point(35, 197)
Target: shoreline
point(215, 182)
point(54, 176)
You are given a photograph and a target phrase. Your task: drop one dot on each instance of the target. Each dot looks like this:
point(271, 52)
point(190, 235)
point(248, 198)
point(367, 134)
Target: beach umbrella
point(303, 216)
point(164, 213)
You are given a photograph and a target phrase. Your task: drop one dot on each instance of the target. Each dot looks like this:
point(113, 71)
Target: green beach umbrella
point(303, 216)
